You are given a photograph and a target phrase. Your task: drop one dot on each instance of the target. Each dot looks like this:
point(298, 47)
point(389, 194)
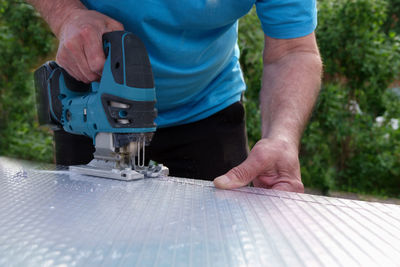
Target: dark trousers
point(202, 150)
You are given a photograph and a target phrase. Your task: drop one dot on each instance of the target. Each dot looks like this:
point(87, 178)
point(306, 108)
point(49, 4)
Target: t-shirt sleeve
point(285, 19)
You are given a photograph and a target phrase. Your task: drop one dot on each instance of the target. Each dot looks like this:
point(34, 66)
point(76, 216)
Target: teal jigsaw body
point(122, 102)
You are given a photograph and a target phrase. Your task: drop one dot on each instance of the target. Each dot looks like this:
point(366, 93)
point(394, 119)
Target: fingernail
point(222, 180)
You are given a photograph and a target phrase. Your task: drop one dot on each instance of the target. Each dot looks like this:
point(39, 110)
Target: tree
point(24, 41)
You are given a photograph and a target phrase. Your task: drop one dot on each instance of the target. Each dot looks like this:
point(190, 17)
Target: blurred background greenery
point(353, 140)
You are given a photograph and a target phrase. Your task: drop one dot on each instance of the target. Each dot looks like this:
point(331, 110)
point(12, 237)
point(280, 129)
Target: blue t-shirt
point(193, 49)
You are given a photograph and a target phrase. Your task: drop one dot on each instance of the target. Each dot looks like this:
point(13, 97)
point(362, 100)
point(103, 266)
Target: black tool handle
point(129, 56)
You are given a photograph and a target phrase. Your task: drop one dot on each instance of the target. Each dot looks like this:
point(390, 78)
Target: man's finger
point(238, 176)
point(94, 52)
point(113, 25)
point(65, 61)
point(75, 49)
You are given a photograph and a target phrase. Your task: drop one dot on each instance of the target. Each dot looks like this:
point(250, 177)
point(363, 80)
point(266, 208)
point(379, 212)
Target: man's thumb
point(237, 177)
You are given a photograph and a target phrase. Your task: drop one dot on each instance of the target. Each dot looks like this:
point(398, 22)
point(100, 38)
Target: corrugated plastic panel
point(49, 216)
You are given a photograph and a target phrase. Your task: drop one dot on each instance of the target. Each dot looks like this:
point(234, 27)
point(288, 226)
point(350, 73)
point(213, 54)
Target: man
point(194, 54)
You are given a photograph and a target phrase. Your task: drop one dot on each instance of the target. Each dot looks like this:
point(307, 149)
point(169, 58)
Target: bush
point(24, 41)
point(349, 150)
point(392, 23)
point(356, 51)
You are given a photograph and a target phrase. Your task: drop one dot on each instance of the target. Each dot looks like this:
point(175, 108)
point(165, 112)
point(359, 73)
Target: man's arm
point(80, 33)
point(290, 85)
point(56, 12)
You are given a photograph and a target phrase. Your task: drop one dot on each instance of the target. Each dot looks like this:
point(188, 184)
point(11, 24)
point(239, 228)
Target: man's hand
point(272, 164)
point(80, 51)
point(80, 32)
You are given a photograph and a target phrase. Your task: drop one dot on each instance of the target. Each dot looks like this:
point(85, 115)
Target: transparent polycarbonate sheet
point(49, 216)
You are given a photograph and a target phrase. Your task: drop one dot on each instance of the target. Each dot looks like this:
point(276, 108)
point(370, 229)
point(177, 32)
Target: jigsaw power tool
point(117, 113)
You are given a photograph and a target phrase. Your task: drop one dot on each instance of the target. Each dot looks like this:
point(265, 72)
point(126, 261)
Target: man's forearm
point(290, 86)
point(55, 12)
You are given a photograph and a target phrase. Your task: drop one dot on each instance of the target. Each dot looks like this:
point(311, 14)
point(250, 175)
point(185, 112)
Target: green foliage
point(392, 23)
point(344, 147)
point(355, 49)
point(24, 40)
point(361, 61)
point(350, 151)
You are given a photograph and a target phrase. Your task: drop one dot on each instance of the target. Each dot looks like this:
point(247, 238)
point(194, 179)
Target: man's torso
point(193, 51)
